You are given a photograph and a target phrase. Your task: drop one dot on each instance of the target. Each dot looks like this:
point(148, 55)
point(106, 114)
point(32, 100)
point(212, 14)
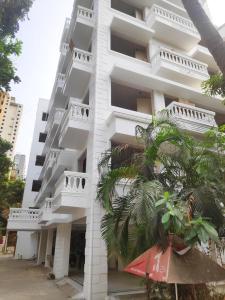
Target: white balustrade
point(191, 113)
point(86, 13)
point(67, 23)
point(80, 112)
point(72, 182)
point(173, 17)
point(82, 56)
point(65, 48)
point(23, 214)
point(61, 80)
point(179, 59)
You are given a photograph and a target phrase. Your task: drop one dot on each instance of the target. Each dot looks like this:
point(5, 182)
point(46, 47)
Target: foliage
point(214, 86)
point(11, 12)
point(5, 162)
point(175, 185)
point(8, 47)
point(11, 190)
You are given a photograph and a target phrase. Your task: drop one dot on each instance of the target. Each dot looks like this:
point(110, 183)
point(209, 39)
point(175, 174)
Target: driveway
point(23, 280)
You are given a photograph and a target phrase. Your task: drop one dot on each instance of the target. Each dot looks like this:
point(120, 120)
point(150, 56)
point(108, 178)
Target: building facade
point(121, 62)
point(18, 170)
point(10, 115)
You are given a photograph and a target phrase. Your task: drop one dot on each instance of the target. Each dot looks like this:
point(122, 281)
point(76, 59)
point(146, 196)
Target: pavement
point(23, 280)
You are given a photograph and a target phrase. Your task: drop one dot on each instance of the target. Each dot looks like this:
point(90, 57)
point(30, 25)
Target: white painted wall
point(26, 246)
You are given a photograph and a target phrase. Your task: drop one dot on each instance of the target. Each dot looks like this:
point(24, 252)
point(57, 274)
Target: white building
point(18, 170)
point(121, 62)
point(10, 116)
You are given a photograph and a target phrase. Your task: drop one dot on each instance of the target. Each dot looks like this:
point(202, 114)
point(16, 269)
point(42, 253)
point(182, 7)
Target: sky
point(37, 65)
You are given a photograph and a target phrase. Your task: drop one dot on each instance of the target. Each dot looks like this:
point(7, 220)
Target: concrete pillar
point(62, 250)
point(30, 239)
point(96, 265)
point(158, 101)
point(42, 247)
point(48, 253)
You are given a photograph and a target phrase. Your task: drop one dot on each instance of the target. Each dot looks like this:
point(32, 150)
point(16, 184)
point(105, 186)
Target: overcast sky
point(38, 62)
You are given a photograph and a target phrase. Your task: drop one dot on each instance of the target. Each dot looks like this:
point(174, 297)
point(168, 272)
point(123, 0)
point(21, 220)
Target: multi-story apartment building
point(121, 62)
point(27, 240)
point(10, 115)
point(18, 169)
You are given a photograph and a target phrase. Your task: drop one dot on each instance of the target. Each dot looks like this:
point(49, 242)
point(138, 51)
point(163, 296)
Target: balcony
point(121, 125)
point(54, 120)
point(130, 28)
point(178, 67)
point(82, 27)
point(65, 31)
point(23, 219)
point(48, 218)
point(78, 73)
point(64, 58)
point(76, 126)
point(202, 54)
point(190, 118)
point(57, 96)
point(172, 5)
point(71, 194)
point(172, 28)
point(58, 161)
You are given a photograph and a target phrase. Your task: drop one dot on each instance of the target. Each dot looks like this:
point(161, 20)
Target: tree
point(176, 184)
point(5, 162)
point(8, 48)
point(11, 12)
point(209, 35)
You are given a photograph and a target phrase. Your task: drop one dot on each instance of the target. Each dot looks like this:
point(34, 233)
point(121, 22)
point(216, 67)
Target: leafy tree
point(13, 11)
point(8, 48)
point(5, 162)
point(176, 185)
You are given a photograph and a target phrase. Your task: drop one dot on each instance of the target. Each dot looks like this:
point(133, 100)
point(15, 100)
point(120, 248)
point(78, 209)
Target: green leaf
point(166, 218)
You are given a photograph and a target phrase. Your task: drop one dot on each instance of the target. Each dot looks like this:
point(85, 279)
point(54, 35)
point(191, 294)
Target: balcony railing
point(179, 59)
point(46, 209)
point(172, 17)
point(82, 56)
point(64, 48)
point(24, 214)
point(86, 13)
point(80, 112)
point(72, 182)
point(190, 113)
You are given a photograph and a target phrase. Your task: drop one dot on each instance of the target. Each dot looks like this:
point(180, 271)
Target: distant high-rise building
point(10, 115)
point(19, 166)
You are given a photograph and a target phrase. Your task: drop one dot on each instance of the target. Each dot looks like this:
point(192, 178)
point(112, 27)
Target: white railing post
point(86, 13)
point(191, 113)
point(173, 17)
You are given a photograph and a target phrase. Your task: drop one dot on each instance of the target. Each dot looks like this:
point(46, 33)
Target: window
point(36, 185)
point(39, 160)
point(44, 116)
point(42, 137)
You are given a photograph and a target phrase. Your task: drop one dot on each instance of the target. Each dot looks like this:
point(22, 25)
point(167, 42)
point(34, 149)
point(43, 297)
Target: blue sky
point(38, 62)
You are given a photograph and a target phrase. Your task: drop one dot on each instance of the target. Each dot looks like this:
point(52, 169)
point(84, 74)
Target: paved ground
point(23, 280)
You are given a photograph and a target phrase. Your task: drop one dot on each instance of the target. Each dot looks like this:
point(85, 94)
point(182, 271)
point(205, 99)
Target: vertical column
point(42, 247)
point(62, 250)
point(158, 101)
point(48, 254)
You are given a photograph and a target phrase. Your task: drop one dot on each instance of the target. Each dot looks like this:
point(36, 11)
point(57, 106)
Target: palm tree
point(174, 185)
point(209, 35)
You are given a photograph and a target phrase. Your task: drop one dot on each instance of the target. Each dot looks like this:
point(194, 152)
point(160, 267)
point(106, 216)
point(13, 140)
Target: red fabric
point(154, 264)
